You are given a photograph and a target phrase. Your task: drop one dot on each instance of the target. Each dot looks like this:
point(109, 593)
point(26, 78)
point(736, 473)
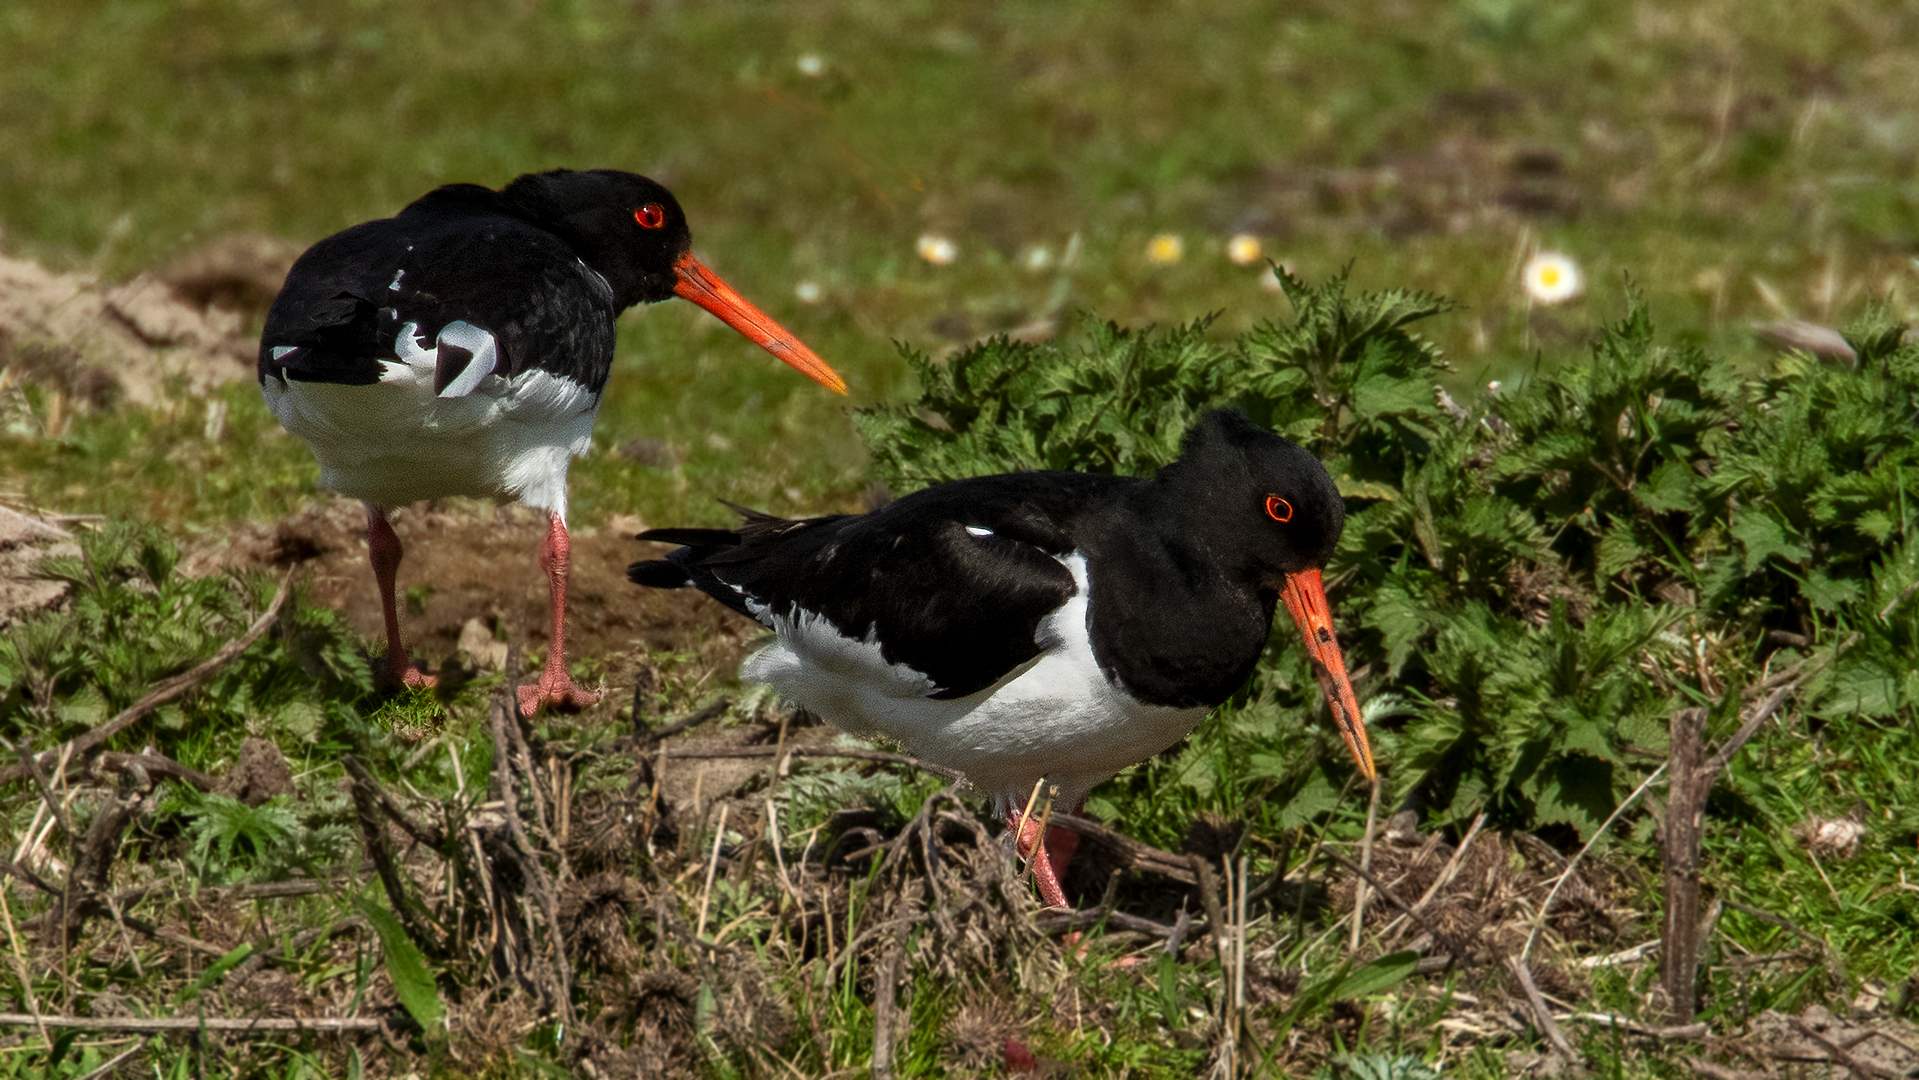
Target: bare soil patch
point(470, 562)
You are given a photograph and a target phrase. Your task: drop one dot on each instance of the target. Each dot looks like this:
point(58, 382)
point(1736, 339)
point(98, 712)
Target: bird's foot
point(1050, 852)
point(402, 670)
point(557, 690)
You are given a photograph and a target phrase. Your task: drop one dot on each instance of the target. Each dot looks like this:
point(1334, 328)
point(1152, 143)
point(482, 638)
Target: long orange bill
point(704, 287)
point(1305, 597)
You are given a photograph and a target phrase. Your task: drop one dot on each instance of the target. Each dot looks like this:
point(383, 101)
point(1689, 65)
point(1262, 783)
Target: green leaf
point(219, 969)
point(1317, 797)
point(1575, 790)
point(1617, 549)
point(1350, 488)
point(1669, 488)
point(1874, 524)
point(406, 965)
point(1763, 537)
point(1829, 593)
point(1380, 975)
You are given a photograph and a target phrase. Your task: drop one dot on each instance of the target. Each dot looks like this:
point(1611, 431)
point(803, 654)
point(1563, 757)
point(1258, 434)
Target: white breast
point(395, 442)
point(1058, 716)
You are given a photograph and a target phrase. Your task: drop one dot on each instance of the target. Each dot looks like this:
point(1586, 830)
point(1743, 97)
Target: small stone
point(479, 648)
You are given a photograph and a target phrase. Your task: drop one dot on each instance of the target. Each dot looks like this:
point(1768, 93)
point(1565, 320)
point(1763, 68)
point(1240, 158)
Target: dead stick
point(156, 763)
point(886, 1006)
point(1689, 782)
point(1215, 915)
point(504, 716)
point(197, 1023)
point(32, 765)
point(1712, 1070)
point(1840, 1054)
point(366, 807)
point(1386, 893)
point(425, 834)
point(1541, 1015)
point(167, 691)
point(1365, 866)
point(709, 712)
point(816, 752)
point(1686, 1032)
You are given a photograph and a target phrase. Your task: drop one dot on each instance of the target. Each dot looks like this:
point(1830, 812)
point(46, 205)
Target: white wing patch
point(486, 355)
point(975, 530)
point(417, 363)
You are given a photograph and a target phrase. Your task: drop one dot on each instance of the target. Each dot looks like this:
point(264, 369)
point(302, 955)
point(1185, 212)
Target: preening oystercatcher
point(1041, 627)
point(460, 347)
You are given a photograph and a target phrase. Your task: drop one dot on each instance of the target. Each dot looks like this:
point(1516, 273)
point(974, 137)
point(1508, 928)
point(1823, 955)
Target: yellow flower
point(1243, 250)
point(1552, 278)
point(938, 250)
point(1165, 249)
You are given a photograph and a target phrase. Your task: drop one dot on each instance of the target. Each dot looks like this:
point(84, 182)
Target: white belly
point(395, 442)
point(1057, 717)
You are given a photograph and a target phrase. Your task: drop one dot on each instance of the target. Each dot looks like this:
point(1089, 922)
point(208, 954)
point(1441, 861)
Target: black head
point(1266, 504)
point(1262, 494)
point(627, 227)
point(632, 231)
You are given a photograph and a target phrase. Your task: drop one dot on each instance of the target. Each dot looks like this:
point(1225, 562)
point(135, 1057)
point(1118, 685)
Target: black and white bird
point(1040, 628)
point(460, 348)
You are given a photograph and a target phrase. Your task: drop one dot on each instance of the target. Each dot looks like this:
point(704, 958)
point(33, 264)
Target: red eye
point(1278, 509)
point(650, 216)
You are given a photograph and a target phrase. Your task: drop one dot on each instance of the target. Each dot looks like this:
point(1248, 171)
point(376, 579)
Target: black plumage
point(461, 347)
point(1044, 626)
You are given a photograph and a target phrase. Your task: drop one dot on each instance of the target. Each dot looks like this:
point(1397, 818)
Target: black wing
point(451, 256)
point(954, 581)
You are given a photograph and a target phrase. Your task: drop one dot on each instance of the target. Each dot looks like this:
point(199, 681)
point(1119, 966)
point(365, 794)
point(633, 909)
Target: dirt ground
point(473, 568)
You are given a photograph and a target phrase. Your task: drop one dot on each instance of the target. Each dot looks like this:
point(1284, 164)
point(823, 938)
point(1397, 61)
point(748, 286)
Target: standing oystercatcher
point(460, 348)
point(1041, 627)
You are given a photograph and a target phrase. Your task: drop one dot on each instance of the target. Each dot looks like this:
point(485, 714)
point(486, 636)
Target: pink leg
point(1055, 850)
point(383, 551)
point(555, 686)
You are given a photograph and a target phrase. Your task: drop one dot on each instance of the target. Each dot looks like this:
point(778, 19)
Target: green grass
point(1703, 148)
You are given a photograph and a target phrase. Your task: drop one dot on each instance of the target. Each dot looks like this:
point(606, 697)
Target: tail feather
point(700, 538)
point(685, 565)
point(659, 574)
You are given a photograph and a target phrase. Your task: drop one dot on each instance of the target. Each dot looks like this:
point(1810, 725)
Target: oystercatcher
point(1043, 627)
point(460, 347)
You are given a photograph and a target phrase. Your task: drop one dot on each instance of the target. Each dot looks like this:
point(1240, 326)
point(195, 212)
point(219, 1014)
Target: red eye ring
point(650, 216)
point(1279, 509)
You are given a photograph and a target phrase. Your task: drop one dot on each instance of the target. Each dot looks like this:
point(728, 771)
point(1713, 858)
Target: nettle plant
point(1532, 579)
point(134, 619)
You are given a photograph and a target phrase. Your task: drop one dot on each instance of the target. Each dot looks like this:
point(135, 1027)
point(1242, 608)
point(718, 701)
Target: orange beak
point(704, 287)
point(1305, 598)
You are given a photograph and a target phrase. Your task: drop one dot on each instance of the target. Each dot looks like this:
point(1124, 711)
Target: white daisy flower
point(1165, 249)
point(1243, 250)
point(938, 250)
point(811, 65)
point(1552, 278)
point(1037, 258)
point(808, 292)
